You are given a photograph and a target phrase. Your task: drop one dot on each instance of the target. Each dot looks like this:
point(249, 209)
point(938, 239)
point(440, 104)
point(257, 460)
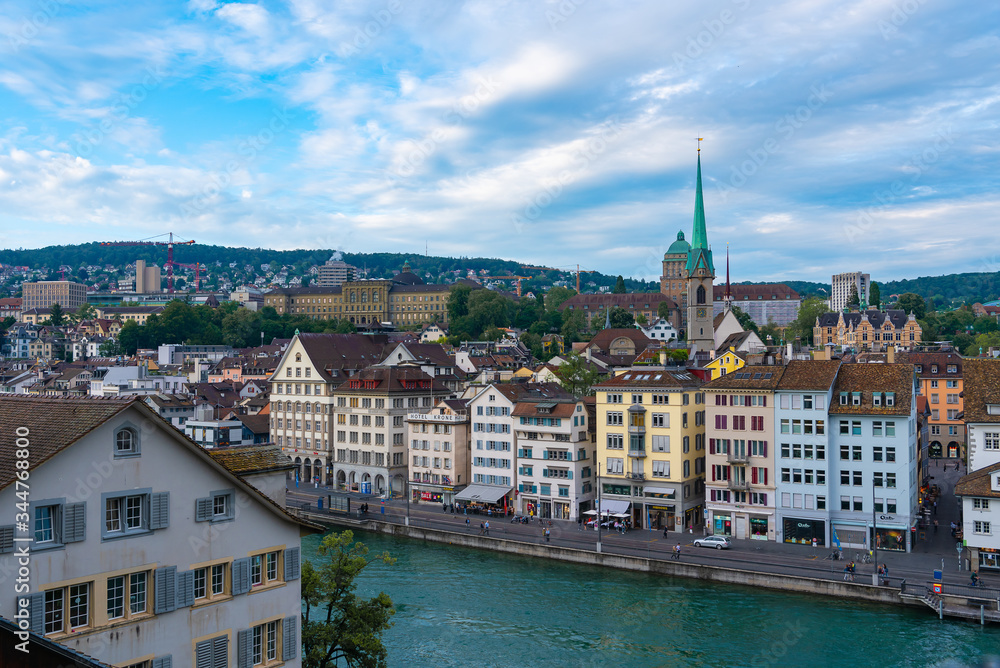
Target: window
point(890, 454)
point(856, 428)
point(136, 585)
point(218, 579)
point(981, 527)
point(845, 428)
point(616, 441)
point(856, 453)
point(981, 504)
point(820, 503)
point(845, 453)
point(126, 442)
point(125, 514)
point(890, 505)
point(845, 503)
point(264, 644)
point(72, 603)
point(877, 428)
point(218, 507)
point(859, 504)
point(45, 517)
point(615, 419)
point(661, 469)
point(991, 440)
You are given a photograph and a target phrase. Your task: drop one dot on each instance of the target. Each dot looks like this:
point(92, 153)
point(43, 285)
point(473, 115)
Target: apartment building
point(980, 494)
point(873, 457)
point(842, 285)
point(556, 471)
point(43, 294)
point(939, 378)
point(439, 451)
point(144, 550)
point(982, 412)
point(651, 447)
point(802, 451)
point(740, 463)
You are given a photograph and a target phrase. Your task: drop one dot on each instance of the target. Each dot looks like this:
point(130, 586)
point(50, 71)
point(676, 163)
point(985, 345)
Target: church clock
point(701, 313)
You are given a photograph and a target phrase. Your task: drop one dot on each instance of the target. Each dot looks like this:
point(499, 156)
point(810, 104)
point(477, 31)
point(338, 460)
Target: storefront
point(758, 528)
point(660, 516)
point(989, 558)
point(891, 540)
point(431, 493)
point(723, 524)
point(424, 495)
point(803, 531)
point(854, 535)
point(560, 510)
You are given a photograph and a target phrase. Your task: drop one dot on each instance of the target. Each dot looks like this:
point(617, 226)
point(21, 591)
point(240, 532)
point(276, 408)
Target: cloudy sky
point(839, 135)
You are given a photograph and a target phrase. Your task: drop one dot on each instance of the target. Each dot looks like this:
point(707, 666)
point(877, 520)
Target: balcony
point(739, 485)
point(638, 454)
point(635, 476)
point(737, 458)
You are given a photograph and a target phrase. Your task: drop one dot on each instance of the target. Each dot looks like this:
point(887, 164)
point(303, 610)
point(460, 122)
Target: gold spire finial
point(699, 143)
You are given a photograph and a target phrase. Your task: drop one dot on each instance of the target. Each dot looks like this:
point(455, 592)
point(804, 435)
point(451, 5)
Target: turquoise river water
point(468, 608)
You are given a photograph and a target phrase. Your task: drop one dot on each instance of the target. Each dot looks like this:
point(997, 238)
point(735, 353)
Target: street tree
point(577, 376)
point(56, 315)
point(338, 626)
point(853, 299)
point(912, 303)
point(619, 286)
point(875, 295)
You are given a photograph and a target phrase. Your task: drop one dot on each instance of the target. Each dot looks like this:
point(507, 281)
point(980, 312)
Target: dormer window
point(126, 442)
point(855, 398)
point(934, 368)
point(843, 398)
point(890, 398)
point(876, 399)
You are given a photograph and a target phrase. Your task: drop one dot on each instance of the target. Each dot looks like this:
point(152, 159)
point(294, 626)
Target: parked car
point(718, 542)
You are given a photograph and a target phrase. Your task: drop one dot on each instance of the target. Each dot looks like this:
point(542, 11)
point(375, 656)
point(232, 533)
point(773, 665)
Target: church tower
point(700, 272)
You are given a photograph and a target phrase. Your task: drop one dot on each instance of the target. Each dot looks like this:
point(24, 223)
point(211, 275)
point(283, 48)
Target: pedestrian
point(957, 463)
point(444, 507)
point(935, 507)
point(547, 538)
point(677, 552)
point(935, 526)
point(664, 530)
point(467, 522)
point(953, 528)
point(579, 523)
point(482, 528)
point(487, 527)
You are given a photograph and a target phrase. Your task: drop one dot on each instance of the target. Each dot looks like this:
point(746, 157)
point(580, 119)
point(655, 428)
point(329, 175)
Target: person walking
point(548, 538)
point(935, 506)
point(677, 552)
point(467, 523)
point(664, 530)
point(487, 527)
point(935, 526)
point(482, 528)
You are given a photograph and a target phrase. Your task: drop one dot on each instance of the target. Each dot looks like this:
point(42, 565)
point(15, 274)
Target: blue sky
point(838, 135)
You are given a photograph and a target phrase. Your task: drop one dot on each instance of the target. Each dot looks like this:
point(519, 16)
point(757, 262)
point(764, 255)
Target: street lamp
point(598, 506)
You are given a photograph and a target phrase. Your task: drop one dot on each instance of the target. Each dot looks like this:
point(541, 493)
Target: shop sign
point(887, 518)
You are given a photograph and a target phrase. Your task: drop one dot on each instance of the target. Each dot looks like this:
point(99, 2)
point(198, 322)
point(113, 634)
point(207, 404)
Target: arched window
point(700, 295)
point(298, 357)
point(298, 407)
point(364, 296)
point(126, 442)
point(354, 297)
point(308, 408)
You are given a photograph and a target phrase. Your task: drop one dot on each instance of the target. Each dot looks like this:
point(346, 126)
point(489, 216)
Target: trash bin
point(319, 503)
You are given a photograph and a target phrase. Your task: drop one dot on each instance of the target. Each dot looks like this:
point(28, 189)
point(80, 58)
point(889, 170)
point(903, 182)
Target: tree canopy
point(577, 376)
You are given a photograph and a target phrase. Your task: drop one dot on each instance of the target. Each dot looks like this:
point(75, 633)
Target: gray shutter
point(220, 652)
point(292, 564)
point(244, 649)
point(159, 512)
point(203, 509)
point(241, 576)
point(163, 662)
point(185, 589)
point(289, 638)
point(74, 522)
point(166, 589)
point(7, 539)
point(36, 608)
point(203, 654)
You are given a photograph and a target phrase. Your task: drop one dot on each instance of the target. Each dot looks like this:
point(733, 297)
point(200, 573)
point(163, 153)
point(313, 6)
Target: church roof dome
point(679, 246)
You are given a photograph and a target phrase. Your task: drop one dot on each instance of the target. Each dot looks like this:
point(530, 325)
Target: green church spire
point(700, 237)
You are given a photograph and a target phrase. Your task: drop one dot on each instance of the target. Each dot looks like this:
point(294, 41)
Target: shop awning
point(611, 506)
point(666, 491)
point(483, 493)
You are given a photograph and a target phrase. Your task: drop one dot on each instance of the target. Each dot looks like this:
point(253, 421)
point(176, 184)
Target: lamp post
point(406, 492)
point(598, 506)
point(874, 538)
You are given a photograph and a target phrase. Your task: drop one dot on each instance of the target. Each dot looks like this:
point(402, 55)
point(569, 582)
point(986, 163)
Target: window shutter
point(220, 652)
point(711, 446)
point(713, 474)
point(203, 509)
point(713, 494)
point(241, 576)
point(753, 475)
point(763, 497)
point(244, 648)
point(166, 589)
point(73, 522)
point(570, 475)
point(7, 539)
point(292, 563)
point(765, 476)
point(163, 662)
point(185, 589)
point(545, 454)
point(289, 639)
point(746, 400)
point(764, 451)
point(159, 510)
point(764, 400)
point(203, 654)
point(36, 610)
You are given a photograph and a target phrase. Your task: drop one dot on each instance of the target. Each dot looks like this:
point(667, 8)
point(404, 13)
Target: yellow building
point(872, 330)
point(726, 362)
point(651, 447)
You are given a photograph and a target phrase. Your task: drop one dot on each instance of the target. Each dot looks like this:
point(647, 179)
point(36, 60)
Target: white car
point(718, 542)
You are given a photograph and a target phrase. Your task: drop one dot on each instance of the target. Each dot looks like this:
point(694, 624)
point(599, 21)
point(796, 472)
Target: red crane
point(169, 243)
point(197, 266)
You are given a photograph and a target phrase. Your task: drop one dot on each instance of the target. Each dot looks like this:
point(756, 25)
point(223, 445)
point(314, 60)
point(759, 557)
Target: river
point(467, 608)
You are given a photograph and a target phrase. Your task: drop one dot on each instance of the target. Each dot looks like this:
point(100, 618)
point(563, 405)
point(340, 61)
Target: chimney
point(789, 348)
point(587, 351)
point(891, 354)
point(663, 357)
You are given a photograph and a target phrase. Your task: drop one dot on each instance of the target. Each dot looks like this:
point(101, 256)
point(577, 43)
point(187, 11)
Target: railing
point(737, 458)
point(636, 453)
point(636, 476)
point(739, 484)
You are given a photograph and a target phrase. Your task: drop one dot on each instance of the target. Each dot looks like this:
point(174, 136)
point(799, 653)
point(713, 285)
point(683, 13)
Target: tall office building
point(43, 294)
point(335, 272)
point(147, 278)
point(841, 289)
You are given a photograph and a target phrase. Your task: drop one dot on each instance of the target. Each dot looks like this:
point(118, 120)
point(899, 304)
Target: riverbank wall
point(722, 574)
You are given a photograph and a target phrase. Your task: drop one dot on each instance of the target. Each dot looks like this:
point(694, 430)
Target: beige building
point(740, 463)
point(334, 272)
point(439, 451)
point(147, 277)
point(651, 447)
point(43, 294)
point(871, 330)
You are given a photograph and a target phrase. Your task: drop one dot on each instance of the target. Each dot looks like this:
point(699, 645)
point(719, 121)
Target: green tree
point(556, 296)
point(772, 330)
point(619, 286)
point(130, 336)
point(874, 295)
point(110, 348)
point(573, 325)
point(641, 319)
point(621, 318)
point(488, 309)
point(577, 376)
point(746, 322)
point(6, 323)
point(338, 626)
point(458, 301)
point(914, 303)
point(663, 310)
point(56, 315)
point(853, 299)
point(802, 326)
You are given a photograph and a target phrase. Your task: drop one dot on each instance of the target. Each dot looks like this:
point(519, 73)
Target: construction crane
point(197, 266)
point(568, 268)
point(509, 278)
point(169, 243)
